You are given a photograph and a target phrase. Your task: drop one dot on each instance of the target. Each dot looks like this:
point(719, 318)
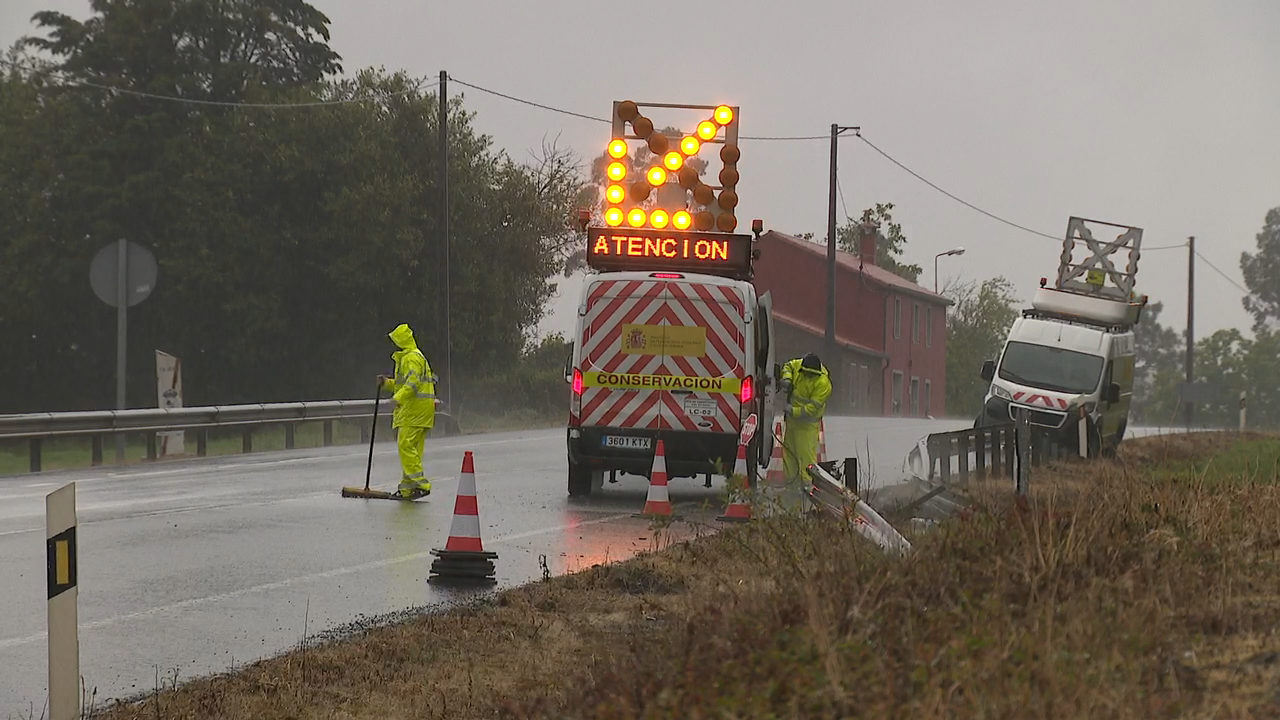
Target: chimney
point(868, 232)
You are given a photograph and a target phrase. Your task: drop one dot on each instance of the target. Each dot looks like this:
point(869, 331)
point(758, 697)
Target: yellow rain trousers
point(414, 390)
point(810, 391)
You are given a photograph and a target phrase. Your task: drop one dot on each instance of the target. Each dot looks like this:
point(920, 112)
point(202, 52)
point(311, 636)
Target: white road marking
point(337, 572)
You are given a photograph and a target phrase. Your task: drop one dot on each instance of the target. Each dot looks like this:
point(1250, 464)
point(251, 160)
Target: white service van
point(1067, 354)
point(672, 342)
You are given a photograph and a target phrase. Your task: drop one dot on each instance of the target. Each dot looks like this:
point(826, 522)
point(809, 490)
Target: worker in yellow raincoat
point(413, 393)
point(806, 385)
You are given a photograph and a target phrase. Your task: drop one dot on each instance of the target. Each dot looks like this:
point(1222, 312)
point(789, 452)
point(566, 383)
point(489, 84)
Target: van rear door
point(702, 329)
point(608, 400)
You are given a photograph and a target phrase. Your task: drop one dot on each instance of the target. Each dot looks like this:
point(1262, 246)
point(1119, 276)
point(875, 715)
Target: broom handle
point(373, 432)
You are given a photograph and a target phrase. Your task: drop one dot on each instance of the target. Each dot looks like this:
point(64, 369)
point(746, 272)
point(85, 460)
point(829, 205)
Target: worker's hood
point(402, 336)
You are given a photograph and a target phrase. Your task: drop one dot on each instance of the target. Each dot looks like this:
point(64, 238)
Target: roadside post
point(1082, 432)
point(1022, 458)
point(64, 638)
point(1243, 409)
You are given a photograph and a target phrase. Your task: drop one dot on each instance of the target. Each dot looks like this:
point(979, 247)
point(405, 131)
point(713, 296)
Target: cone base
point(462, 566)
point(734, 518)
point(655, 516)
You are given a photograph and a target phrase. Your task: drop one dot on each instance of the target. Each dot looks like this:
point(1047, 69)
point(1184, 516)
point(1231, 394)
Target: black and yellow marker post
point(64, 636)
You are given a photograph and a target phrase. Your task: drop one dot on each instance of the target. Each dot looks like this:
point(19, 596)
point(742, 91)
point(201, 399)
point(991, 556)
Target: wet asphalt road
point(197, 566)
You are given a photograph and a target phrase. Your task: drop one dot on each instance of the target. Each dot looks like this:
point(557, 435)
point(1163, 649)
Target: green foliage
point(889, 246)
point(290, 241)
point(1262, 274)
point(1230, 363)
point(1159, 356)
point(976, 329)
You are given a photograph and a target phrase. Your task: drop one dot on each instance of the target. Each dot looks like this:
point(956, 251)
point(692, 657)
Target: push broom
point(355, 492)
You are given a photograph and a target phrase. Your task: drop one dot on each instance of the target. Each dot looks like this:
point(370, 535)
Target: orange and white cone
point(658, 502)
point(822, 441)
point(777, 473)
point(737, 510)
point(464, 556)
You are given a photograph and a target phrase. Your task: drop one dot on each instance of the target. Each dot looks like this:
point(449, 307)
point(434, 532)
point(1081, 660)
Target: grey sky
point(1160, 113)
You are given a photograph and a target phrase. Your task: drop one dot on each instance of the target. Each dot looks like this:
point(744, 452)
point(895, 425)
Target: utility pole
point(832, 348)
point(1191, 323)
point(445, 388)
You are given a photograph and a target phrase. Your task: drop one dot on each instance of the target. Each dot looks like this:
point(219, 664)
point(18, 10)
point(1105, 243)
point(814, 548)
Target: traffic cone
point(658, 502)
point(737, 510)
point(464, 556)
point(822, 440)
point(777, 473)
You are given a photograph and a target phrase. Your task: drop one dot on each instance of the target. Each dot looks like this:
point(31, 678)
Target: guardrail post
point(1242, 410)
point(366, 427)
point(328, 433)
point(95, 450)
point(151, 446)
point(288, 436)
point(997, 449)
point(246, 441)
point(34, 445)
point(202, 442)
point(981, 439)
point(962, 452)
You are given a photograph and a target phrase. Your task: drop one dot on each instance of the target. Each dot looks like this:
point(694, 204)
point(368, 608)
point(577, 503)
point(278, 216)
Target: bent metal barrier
point(36, 427)
point(953, 458)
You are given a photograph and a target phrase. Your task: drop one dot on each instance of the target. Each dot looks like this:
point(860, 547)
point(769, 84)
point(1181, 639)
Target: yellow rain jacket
point(810, 391)
point(414, 386)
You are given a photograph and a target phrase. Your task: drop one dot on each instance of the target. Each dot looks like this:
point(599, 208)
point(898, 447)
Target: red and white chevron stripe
point(1036, 399)
point(614, 303)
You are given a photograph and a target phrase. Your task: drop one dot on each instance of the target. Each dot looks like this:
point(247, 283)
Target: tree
point(1158, 351)
point(289, 241)
point(1262, 274)
point(889, 247)
point(976, 329)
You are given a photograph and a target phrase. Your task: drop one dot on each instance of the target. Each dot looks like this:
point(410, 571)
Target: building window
point(928, 327)
point(895, 408)
point(915, 397)
point(897, 317)
point(928, 398)
point(915, 322)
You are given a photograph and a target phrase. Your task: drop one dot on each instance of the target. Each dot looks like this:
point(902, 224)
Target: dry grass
point(1144, 587)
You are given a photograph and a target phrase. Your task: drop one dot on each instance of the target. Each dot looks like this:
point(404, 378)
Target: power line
point(593, 118)
point(1224, 275)
point(75, 82)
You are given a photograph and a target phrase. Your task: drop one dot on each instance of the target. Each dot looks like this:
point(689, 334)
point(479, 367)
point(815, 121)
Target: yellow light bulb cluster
point(672, 164)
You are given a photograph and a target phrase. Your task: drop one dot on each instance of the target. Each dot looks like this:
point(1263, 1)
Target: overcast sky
point(1159, 113)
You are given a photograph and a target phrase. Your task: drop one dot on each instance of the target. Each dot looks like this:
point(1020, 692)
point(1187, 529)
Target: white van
point(1068, 352)
point(673, 345)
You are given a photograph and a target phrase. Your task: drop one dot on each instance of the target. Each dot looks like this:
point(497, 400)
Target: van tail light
point(748, 389)
point(577, 381)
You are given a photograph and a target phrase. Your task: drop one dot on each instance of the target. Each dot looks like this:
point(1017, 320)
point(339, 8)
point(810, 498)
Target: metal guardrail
point(36, 427)
point(953, 458)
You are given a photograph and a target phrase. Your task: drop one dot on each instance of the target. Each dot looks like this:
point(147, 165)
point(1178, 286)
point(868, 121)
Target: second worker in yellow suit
point(413, 390)
point(806, 385)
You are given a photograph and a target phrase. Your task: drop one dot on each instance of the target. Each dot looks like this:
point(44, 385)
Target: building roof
point(821, 332)
point(872, 272)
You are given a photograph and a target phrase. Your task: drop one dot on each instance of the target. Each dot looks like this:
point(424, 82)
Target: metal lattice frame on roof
point(1098, 267)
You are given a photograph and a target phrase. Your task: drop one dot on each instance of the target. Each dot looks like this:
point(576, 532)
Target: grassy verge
point(1139, 587)
point(76, 452)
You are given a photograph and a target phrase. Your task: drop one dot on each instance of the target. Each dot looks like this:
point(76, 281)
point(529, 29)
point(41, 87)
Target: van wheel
point(580, 480)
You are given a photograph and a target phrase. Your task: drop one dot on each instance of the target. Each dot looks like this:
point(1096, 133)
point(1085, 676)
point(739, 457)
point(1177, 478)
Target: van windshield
point(1050, 368)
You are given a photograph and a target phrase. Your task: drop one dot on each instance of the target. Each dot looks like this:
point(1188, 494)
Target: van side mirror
point(988, 370)
point(777, 372)
point(1113, 393)
point(568, 365)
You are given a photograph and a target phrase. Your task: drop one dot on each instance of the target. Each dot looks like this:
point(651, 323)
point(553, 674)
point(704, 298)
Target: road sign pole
point(64, 634)
point(122, 335)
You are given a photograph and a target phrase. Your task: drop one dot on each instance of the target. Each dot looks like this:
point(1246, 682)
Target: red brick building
point(892, 333)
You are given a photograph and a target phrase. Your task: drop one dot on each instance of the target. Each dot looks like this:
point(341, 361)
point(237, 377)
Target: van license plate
point(627, 442)
point(701, 407)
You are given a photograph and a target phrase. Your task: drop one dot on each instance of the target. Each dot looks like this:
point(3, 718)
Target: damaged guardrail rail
point(35, 428)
